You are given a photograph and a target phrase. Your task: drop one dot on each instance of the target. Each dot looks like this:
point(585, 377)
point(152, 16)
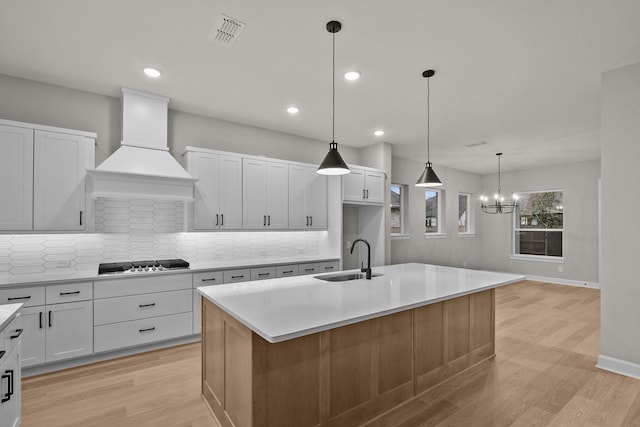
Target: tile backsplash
point(138, 229)
point(43, 253)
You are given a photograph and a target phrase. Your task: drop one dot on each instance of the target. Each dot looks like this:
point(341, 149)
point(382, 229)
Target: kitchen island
point(301, 351)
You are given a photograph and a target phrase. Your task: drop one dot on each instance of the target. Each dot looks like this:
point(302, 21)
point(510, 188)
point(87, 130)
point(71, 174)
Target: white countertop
point(66, 276)
point(286, 308)
point(7, 313)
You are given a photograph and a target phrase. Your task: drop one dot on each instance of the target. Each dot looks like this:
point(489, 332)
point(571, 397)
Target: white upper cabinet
point(307, 198)
point(218, 191)
point(16, 178)
point(60, 166)
point(265, 194)
point(363, 186)
point(42, 173)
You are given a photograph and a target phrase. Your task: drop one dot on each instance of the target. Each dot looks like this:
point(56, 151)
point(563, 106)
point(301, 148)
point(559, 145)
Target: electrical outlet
point(63, 263)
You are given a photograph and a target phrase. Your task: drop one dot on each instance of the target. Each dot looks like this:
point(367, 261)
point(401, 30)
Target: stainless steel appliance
point(148, 266)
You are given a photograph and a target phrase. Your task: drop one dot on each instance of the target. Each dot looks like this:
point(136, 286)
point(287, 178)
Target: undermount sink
point(344, 277)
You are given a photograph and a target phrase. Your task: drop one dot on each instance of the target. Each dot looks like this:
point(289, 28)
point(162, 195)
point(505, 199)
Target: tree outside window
point(538, 224)
point(397, 198)
point(464, 213)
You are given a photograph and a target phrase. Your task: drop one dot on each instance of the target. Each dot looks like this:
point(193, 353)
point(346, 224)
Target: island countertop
point(286, 308)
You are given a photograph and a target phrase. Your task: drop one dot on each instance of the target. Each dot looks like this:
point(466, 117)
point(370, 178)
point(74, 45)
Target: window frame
point(515, 229)
point(403, 217)
point(440, 214)
point(470, 216)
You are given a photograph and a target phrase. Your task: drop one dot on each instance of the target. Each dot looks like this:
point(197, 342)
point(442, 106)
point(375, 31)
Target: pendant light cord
point(333, 84)
point(499, 190)
point(428, 125)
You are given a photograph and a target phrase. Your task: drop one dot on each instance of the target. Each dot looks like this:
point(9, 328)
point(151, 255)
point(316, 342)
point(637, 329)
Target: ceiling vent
point(226, 30)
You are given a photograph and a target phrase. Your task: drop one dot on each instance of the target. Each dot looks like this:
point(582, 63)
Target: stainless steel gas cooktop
point(142, 266)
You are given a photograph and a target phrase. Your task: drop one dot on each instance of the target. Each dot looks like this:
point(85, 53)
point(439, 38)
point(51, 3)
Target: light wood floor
point(543, 375)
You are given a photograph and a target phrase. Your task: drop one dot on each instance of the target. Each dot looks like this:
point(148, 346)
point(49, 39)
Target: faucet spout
point(368, 268)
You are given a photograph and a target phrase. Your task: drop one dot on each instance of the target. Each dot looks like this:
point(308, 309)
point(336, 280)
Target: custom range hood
point(142, 167)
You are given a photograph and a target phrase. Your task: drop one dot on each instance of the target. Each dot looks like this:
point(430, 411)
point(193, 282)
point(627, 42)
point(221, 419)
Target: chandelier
point(498, 205)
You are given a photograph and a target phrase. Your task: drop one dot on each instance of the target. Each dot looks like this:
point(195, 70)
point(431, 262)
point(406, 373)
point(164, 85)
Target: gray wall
point(40, 103)
point(452, 250)
point(579, 183)
point(620, 176)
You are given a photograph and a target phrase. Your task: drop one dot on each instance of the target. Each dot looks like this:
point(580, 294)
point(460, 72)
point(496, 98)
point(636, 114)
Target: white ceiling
point(522, 75)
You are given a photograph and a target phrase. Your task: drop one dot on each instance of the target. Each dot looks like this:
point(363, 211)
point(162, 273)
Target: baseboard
point(99, 357)
point(579, 283)
point(619, 366)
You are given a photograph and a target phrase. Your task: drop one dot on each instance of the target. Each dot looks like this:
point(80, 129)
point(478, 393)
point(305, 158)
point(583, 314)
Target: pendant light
point(333, 163)
point(498, 206)
point(428, 177)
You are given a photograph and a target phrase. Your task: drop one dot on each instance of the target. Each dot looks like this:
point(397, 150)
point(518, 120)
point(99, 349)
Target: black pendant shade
point(333, 163)
point(429, 178)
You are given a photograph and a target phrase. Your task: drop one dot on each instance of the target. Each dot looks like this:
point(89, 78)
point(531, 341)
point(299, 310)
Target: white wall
point(579, 183)
point(620, 340)
point(452, 250)
point(40, 103)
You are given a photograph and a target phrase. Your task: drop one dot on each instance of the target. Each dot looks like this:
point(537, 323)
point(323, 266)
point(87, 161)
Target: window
point(433, 211)
point(397, 209)
point(538, 224)
point(464, 213)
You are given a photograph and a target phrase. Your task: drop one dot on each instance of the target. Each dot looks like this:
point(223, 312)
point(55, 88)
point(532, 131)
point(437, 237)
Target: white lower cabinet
point(144, 331)
point(10, 374)
point(135, 311)
point(57, 332)
point(57, 323)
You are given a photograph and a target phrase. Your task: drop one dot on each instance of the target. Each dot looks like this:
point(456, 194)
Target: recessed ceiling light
point(379, 132)
point(293, 110)
point(152, 72)
point(352, 75)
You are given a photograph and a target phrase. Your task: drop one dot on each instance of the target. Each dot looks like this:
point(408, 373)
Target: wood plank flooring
point(547, 342)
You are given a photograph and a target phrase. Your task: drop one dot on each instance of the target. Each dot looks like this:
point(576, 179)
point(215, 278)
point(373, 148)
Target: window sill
point(400, 236)
point(538, 258)
point(435, 236)
point(466, 234)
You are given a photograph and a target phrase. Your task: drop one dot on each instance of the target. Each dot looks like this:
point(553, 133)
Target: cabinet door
point(254, 196)
point(11, 380)
point(230, 192)
point(298, 216)
point(277, 195)
point(59, 165)
point(353, 186)
point(374, 187)
point(317, 198)
point(69, 330)
point(206, 168)
point(16, 178)
point(33, 337)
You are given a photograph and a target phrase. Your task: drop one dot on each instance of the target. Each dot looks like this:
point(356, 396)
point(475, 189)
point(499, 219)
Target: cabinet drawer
point(137, 332)
point(123, 309)
point(309, 268)
point(287, 270)
point(28, 295)
point(141, 285)
point(13, 333)
point(328, 267)
point(241, 275)
point(263, 273)
point(69, 292)
point(207, 279)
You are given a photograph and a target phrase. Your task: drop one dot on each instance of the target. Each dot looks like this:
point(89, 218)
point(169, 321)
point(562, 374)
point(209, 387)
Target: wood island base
point(344, 376)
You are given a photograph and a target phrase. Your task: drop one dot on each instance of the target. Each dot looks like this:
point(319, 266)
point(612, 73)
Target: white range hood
point(142, 167)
